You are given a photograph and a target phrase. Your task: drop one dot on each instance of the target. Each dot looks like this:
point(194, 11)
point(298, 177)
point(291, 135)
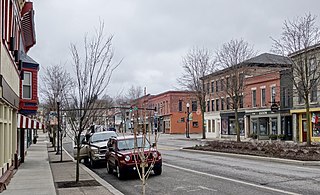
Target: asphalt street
point(197, 173)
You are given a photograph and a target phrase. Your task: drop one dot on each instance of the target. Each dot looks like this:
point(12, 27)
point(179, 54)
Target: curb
point(261, 158)
point(108, 186)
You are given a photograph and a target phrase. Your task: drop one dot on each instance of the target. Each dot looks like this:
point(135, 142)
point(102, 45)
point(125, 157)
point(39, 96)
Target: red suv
point(122, 157)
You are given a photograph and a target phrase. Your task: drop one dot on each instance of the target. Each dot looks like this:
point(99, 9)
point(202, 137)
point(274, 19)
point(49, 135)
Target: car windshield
point(128, 144)
point(99, 137)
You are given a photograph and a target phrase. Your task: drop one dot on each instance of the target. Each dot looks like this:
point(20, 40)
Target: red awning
point(25, 122)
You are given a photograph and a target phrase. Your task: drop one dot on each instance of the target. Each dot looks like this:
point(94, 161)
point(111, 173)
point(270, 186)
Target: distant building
point(167, 112)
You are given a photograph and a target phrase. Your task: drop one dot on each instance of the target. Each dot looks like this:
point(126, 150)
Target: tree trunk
point(308, 122)
point(237, 124)
point(78, 162)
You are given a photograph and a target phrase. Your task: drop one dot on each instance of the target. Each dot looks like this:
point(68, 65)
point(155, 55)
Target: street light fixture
point(187, 121)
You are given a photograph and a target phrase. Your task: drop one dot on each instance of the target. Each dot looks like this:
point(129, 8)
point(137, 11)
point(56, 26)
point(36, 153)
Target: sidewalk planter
point(253, 136)
point(281, 137)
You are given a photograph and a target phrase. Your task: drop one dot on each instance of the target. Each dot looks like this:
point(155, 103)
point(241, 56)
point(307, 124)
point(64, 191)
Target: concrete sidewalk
point(34, 176)
point(42, 173)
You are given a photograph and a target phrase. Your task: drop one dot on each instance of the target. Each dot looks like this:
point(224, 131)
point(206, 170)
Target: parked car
point(122, 158)
point(94, 146)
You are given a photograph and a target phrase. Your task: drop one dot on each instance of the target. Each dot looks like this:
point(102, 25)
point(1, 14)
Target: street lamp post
point(187, 121)
point(58, 128)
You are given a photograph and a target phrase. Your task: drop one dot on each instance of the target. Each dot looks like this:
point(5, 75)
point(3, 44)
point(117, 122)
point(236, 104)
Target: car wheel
point(92, 163)
point(86, 160)
point(109, 169)
point(157, 170)
point(120, 173)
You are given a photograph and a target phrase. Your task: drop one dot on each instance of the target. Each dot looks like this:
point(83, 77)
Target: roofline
point(171, 91)
point(312, 47)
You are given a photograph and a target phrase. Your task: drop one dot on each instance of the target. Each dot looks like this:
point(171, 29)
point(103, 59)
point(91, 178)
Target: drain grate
point(73, 184)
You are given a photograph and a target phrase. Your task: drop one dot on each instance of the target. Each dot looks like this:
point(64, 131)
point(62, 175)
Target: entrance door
point(304, 130)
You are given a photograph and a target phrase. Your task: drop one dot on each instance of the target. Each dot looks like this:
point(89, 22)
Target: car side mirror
point(84, 142)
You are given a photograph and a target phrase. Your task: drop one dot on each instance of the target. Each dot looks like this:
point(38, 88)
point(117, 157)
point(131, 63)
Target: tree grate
point(73, 184)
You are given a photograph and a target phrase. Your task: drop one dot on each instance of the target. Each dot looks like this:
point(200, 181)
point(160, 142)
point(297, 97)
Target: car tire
point(86, 160)
point(120, 173)
point(109, 169)
point(157, 170)
point(92, 163)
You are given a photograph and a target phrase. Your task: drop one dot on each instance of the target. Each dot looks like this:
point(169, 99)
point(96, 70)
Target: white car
point(94, 149)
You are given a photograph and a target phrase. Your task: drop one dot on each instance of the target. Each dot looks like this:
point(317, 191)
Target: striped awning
point(25, 122)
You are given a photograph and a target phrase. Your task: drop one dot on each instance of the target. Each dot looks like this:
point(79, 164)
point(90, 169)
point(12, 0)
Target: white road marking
point(205, 188)
point(229, 179)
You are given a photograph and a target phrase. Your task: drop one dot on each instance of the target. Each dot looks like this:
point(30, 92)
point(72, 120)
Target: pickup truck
point(94, 146)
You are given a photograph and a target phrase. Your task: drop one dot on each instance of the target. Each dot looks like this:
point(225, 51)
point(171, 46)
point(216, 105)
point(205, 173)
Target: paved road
point(196, 173)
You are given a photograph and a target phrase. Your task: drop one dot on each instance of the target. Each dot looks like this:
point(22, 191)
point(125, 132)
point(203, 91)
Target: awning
point(28, 123)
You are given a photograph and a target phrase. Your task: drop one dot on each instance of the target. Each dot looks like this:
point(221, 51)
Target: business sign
point(274, 107)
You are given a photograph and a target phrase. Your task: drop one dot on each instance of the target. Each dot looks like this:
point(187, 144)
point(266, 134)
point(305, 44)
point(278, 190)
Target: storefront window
point(274, 126)
point(232, 125)
point(316, 126)
point(263, 126)
point(209, 126)
point(213, 126)
point(254, 126)
point(224, 127)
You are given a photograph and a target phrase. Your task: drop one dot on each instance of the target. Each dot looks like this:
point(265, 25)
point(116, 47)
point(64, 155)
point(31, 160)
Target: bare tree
point(93, 73)
point(196, 64)
point(229, 58)
point(134, 92)
point(298, 38)
point(55, 82)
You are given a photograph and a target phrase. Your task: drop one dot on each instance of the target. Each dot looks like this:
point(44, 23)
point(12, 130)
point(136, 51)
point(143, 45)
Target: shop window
point(274, 126)
point(213, 126)
point(26, 83)
point(232, 127)
point(254, 126)
point(209, 126)
point(263, 126)
point(195, 124)
point(224, 126)
point(316, 129)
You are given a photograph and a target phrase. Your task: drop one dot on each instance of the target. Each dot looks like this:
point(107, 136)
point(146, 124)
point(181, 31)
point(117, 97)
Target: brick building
point(171, 111)
point(220, 115)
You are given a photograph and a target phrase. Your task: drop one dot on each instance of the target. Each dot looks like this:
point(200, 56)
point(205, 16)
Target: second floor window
point(241, 101)
point(228, 103)
point(273, 94)
point(180, 105)
point(217, 105)
point(222, 104)
point(313, 95)
point(208, 106)
point(212, 87)
point(254, 98)
point(263, 97)
point(194, 106)
point(217, 85)
point(212, 105)
point(27, 85)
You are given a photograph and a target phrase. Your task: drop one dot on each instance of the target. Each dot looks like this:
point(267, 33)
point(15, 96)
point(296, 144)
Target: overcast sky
point(153, 35)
